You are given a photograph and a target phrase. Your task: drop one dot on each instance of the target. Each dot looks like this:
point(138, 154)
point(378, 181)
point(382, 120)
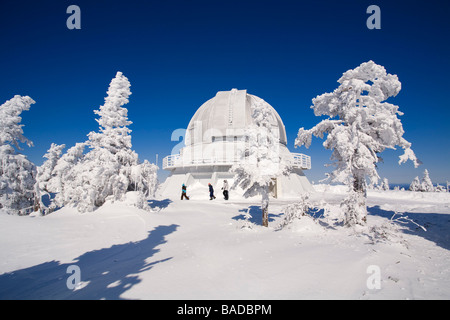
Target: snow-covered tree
point(110, 168)
point(262, 162)
point(426, 185)
point(415, 185)
point(45, 173)
point(106, 167)
point(359, 125)
point(144, 178)
point(11, 131)
point(17, 173)
point(384, 185)
point(63, 181)
point(17, 179)
point(113, 138)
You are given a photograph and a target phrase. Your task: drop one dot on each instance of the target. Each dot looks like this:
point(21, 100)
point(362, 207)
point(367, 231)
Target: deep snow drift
point(197, 249)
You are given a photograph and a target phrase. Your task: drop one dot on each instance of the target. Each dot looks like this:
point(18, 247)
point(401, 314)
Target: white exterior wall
point(197, 179)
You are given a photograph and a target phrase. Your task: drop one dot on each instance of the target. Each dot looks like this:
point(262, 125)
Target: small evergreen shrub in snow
point(246, 223)
point(391, 230)
point(307, 216)
point(424, 186)
point(384, 185)
point(415, 185)
point(296, 210)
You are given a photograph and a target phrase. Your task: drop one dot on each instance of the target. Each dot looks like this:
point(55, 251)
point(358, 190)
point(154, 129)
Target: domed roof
point(228, 114)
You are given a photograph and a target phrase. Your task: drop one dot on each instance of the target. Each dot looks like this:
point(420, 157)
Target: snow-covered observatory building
point(215, 139)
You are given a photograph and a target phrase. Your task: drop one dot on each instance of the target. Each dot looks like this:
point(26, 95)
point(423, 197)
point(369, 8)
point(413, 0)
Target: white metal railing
point(171, 161)
point(300, 160)
point(297, 160)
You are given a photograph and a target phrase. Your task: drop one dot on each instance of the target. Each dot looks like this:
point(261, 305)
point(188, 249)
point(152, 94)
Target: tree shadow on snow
point(105, 273)
point(256, 215)
point(437, 225)
point(159, 204)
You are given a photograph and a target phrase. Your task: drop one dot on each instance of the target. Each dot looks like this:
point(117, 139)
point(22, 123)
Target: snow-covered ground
point(197, 250)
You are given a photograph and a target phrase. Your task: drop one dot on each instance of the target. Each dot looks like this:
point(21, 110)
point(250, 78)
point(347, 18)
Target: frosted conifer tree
point(262, 162)
point(114, 137)
point(110, 168)
point(17, 173)
point(102, 171)
point(385, 185)
point(144, 178)
point(415, 185)
point(45, 173)
point(65, 181)
point(426, 185)
point(11, 131)
point(360, 124)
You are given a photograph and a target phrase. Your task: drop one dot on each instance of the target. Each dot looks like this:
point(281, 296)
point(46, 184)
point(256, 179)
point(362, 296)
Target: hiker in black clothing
point(211, 192)
point(225, 189)
point(183, 192)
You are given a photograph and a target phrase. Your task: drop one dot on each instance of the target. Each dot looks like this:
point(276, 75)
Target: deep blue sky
point(178, 54)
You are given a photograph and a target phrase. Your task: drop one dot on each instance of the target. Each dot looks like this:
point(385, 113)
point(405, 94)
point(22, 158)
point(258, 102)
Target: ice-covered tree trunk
point(355, 203)
point(359, 126)
point(354, 208)
point(265, 206)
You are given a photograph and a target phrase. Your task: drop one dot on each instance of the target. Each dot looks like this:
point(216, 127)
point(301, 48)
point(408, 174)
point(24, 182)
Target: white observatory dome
point(227, 115)
point(216, 139)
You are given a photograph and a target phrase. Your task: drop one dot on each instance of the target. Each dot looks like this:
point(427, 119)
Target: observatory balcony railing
point(299, 160)
point(296, 160)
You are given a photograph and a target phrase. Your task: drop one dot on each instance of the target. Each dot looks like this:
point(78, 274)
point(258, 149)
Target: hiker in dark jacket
point(183, 192)
point(211, 192)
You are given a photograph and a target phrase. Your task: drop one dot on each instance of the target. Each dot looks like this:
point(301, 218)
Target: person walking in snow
point(225, 189)
point(211, 192)
point(183, 192)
